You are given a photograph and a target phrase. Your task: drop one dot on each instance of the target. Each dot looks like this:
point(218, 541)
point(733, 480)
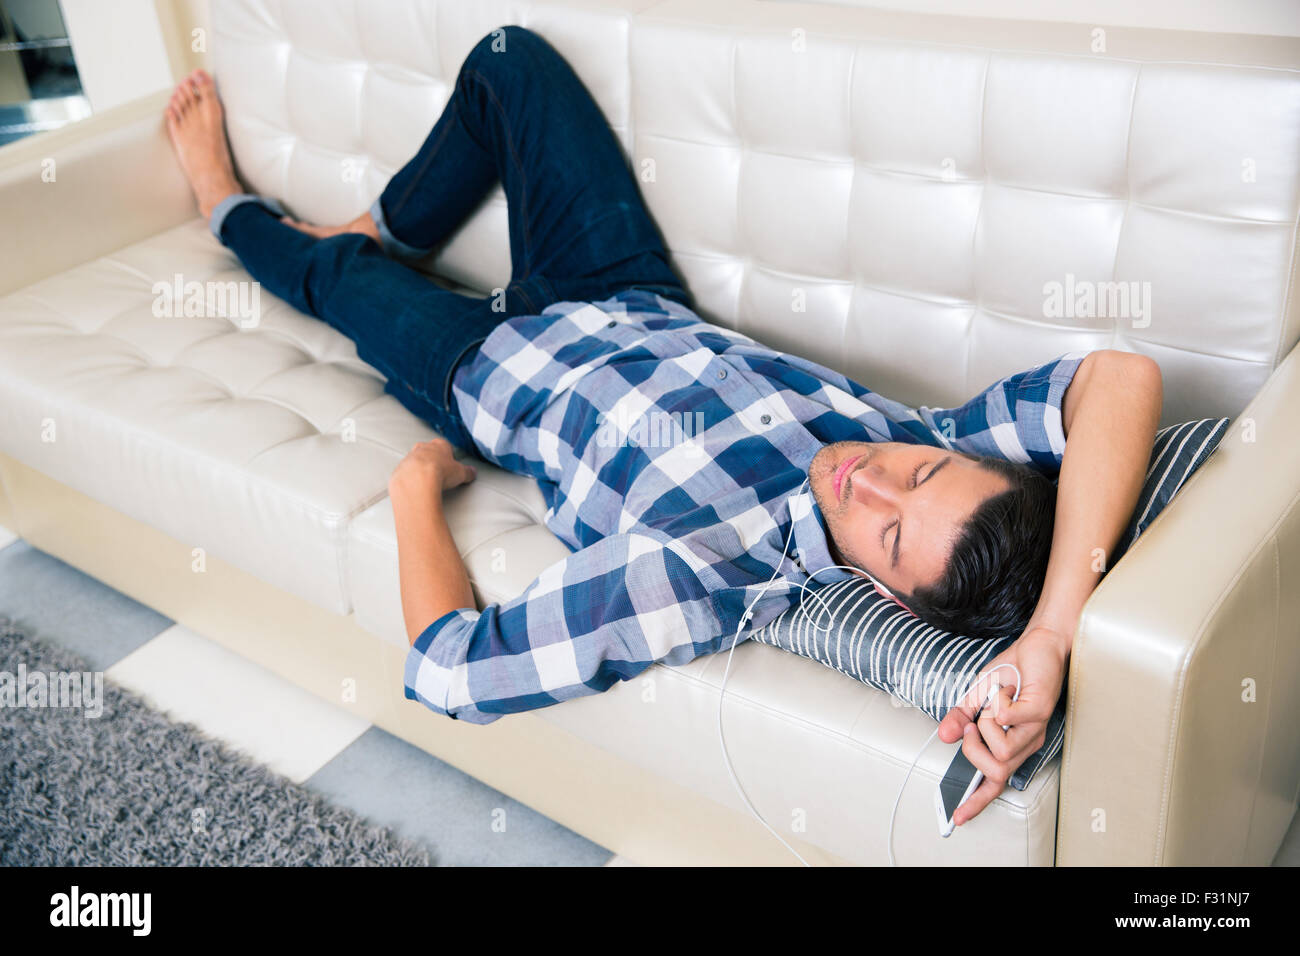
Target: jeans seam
point(519, 167)
point(528, 300)
point(419, 174)
point(451, 374)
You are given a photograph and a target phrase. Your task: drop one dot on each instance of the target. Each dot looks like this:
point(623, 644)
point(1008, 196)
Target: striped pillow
point(873, 640)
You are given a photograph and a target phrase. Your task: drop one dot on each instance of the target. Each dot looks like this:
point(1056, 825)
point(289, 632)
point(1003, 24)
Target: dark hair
point(995, 572)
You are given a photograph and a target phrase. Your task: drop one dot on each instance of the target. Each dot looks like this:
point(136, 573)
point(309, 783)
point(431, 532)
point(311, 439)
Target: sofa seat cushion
point(841, 747)
point(496, 521)
point(820, 755)
point(258, 445)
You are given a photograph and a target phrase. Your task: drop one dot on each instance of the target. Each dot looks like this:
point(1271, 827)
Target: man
point(950, 511)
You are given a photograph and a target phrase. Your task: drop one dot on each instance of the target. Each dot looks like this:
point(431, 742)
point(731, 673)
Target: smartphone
point(961, 778)
point(958, 783)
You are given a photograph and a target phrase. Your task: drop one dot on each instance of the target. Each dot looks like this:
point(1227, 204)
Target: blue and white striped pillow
point(872, 639)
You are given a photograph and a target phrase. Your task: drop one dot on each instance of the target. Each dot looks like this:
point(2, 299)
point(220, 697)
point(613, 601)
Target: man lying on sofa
point(777, 468)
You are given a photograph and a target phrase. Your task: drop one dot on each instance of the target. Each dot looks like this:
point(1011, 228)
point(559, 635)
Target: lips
point(837, 479)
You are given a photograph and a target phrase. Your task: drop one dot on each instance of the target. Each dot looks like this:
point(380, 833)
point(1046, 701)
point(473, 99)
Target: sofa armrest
point(1184, 691)
point(115, 181)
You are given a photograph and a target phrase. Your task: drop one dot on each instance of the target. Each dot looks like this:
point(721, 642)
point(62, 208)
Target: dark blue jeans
point(579, 229)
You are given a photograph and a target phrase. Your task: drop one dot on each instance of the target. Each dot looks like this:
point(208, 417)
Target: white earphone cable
point(804, 593)
point(898, 799)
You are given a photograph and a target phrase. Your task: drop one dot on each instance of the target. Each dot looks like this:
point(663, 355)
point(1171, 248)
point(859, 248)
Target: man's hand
point(429, 465)
point(1040, 654)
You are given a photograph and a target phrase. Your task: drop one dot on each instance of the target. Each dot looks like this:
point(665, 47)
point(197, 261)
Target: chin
point(820, 471)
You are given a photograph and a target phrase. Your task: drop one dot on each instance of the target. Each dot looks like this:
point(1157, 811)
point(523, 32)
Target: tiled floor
point(295, 733)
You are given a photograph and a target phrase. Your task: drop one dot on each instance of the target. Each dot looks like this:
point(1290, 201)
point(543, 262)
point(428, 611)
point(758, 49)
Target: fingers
point(995, 777)
point(453, 472)
point(963, 712)
point(1025, 711)
point(953, 723)
point(984, 794)
point(991, 721)
point(996, 754)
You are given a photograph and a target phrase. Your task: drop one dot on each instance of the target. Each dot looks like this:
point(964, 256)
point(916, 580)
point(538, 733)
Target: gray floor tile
point(396, 784)
point(54, 600)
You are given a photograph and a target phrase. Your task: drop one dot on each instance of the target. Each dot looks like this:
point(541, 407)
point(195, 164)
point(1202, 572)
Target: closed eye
point(893, 524)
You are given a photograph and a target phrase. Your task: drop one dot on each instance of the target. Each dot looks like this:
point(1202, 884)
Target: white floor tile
point(234, 700)
point(6, 536)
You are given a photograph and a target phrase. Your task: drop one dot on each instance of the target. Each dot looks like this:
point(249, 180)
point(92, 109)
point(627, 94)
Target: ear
point(883, 593)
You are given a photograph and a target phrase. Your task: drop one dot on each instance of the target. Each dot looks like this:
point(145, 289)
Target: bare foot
point(363, 224)
point(194, 122)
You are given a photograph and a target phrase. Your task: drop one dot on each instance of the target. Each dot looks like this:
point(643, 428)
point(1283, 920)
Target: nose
point(871, 484)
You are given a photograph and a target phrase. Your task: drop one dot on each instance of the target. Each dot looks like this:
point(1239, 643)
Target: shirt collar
point(810, 539)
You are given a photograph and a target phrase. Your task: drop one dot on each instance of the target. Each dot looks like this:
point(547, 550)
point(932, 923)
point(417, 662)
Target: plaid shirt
point(672, 454)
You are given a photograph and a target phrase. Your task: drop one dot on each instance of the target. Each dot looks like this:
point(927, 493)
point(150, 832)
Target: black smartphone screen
point(955, 781)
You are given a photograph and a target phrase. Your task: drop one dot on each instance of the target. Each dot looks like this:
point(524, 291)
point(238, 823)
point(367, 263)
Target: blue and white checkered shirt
point(672, 454)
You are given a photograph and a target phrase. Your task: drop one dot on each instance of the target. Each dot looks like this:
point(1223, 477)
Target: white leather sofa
point(917, 179)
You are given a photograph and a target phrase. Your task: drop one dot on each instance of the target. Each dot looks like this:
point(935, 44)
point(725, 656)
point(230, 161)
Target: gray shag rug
point(132, 788)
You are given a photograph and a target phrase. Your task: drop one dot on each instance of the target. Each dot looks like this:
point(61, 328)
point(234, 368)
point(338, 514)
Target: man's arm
point(580, 627)
point(433, 578)
point(1110, 416)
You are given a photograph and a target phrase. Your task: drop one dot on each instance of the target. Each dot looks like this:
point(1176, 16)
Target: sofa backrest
point(923, 202)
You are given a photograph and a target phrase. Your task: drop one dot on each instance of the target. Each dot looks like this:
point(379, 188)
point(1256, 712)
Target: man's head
point(962, 541)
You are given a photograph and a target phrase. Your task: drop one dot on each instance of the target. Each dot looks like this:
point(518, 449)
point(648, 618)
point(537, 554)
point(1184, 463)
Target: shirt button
point(766, 419)
point(722, 373)
point(611, 325)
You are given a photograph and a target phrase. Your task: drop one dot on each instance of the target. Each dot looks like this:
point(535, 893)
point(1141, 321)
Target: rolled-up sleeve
point(1018, 418)
point(601, 615)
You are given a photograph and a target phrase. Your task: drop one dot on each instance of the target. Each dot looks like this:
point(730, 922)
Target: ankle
point(364, 224)
point(211, 197)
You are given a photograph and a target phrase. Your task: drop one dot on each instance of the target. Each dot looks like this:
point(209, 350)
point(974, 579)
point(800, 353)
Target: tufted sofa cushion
point(258, 445)
point(886, 194)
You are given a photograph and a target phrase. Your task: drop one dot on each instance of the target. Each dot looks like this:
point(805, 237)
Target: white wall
point(1266, 17)
point(121, 53)
point(119, 49)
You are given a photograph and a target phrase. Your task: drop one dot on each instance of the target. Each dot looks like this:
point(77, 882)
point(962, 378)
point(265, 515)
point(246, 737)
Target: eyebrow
point(898, 528)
